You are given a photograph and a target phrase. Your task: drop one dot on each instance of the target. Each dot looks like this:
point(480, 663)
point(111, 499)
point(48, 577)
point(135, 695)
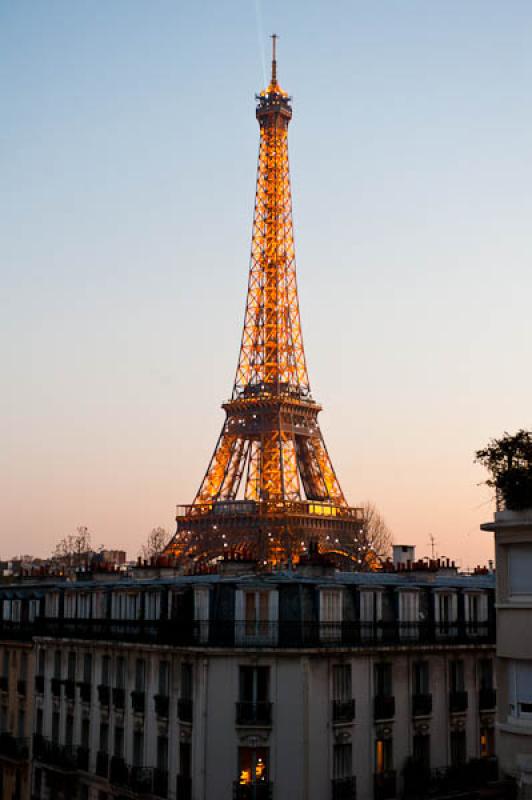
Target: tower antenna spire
point(274, 59)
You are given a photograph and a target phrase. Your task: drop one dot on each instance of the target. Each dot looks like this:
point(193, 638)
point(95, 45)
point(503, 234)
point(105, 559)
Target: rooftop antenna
point(432, 541)
point(274, 59)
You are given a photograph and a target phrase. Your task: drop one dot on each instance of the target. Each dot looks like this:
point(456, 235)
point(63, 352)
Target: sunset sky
point(128, 146)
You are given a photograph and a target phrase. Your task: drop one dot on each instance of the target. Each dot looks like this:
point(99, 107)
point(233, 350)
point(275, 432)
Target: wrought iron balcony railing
point(343, 710)
point(118, 772)
point(384, 784)
point(252, 791)
point(254, 714)
point(59, 756)
point(383, 706)
point(420, 781)
point(457, 702)
point(421, 705)
point(13, 748)
point(344, 788)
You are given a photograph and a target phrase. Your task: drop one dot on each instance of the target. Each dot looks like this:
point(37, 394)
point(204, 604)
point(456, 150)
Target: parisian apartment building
point(299, 684)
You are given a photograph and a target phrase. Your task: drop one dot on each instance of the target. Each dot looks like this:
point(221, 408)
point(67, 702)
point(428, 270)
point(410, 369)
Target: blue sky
point(128, 150)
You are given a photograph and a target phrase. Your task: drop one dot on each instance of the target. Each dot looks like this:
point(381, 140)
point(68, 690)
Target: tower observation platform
point(270, 489)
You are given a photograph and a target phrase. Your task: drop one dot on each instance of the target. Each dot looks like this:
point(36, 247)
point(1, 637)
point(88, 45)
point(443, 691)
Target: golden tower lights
point(270, 487)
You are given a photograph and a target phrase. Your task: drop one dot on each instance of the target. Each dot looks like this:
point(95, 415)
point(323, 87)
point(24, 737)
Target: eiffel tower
point(270, 491)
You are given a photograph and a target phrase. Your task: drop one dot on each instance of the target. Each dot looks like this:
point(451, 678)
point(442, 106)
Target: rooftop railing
point(281, 634)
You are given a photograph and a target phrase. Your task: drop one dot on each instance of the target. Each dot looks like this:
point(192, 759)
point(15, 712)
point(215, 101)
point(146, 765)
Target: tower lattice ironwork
point(270, 488)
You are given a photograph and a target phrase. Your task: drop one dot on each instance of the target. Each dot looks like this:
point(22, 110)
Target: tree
point(375, 538)
point(74, 548)
point(509, 463)
point(155, 544)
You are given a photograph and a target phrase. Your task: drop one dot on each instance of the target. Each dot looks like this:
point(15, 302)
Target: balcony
point(138, 701)
point(118, 772)
point(61, 757)
point(119, 699)
point(39, 684)
point(102, 764)
point(466, 779)
point(252, 791)
point(383, 707)
point(104, 694)
point(21, 688)
point(344, 788)
point(184, 787)
point(384, 785)
point(343, 711)
point(85, 691)
point(13, 749)
point(56, 687)
point(421, 705)
point(254, 714)
point(141, 780)
point(162, 704)
point(160, 782)
point(4, 683)
point(457, 702)
point(184, 709)
point(70, 689)
point(487, 699)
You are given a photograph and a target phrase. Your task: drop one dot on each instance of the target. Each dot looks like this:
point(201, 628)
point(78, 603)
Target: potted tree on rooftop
point(508, 461)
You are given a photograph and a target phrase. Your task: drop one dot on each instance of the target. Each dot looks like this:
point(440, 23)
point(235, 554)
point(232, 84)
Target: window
point(163, 677)
point(253, 765)
point(23, 666)
point(383, 756)
point(120, 674)
point(520, 569)
point(140, 674)
point(104, 737)
point(41, 661)
point(186, 681)
point(256, 612)
point(458, 748)
point(39, 722)
point(487, 742)
point(106, 670)
point(254, 684)
point(408, 614)
point(457, 677)
point(85, 733)
point(71, 666)
point(21, 723)
point(420, 677)
point(520, 689)
point(138, 748)
point(342, 761)
point(330, 613)
point(185, 759)
point(69, 729)
point(55, 727)
point(162, 753)
point(119, 742)
point(87, 668)
point(421, 750)
point(383, 680)
point(485, 673)
point(57, 664)
point(341, 680)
